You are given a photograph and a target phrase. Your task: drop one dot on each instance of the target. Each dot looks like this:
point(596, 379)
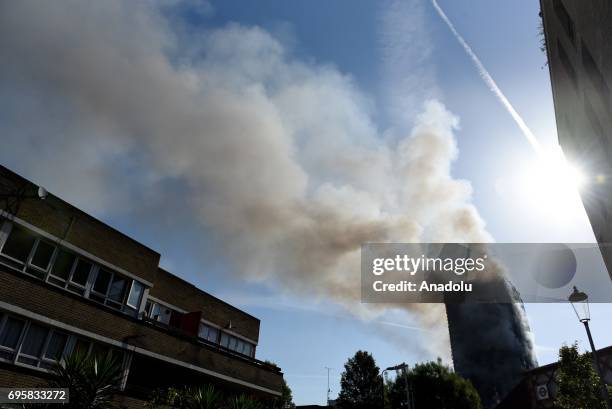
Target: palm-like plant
point(243, 402)
point(92, 381)
point(204, 398)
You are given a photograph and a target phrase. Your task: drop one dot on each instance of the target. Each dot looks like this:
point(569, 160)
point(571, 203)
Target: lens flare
point(551, 184)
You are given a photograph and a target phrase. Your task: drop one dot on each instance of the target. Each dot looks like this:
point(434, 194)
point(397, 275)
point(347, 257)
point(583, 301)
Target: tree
point(434, 385)
point(577, 382)
point(286, 399)
point(361, 383)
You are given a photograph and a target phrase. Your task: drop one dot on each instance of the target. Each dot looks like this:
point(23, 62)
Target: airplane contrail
point(488, 79)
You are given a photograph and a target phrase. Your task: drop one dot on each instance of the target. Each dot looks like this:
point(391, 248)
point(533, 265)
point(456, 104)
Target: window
point(19, 244)
point(81, 272)
point(62, 267)
point(10, 333)
point(208, 333)
point(116, 293)
point(33, 343)
point(158, 312)
point(56, 346)
point(237, 345)
point(42, 255)
point(103, 279)
point(248, 349)
point(225, 340)
point(24, 251)
point(42, 347)
point(135, 295)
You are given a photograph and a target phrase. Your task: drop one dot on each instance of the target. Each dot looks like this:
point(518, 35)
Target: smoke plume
point(280, 160)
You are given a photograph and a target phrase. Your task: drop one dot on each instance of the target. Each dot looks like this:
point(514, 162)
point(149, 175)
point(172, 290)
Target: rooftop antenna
point(328, 389)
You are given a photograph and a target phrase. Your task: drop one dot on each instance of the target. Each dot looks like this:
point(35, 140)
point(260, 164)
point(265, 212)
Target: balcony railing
point(211, 345)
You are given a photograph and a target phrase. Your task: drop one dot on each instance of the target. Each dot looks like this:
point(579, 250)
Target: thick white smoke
point(279, 157)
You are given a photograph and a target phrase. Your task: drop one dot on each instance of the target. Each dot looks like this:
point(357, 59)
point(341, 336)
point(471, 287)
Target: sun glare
point(552, 185)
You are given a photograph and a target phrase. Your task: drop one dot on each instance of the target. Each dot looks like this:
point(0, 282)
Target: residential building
point(578, 38)
point(538, 388)
point(69, 282)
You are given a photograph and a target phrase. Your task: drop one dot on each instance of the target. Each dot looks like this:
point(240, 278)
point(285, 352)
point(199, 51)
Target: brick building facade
point(538, 388)
point(69, 282)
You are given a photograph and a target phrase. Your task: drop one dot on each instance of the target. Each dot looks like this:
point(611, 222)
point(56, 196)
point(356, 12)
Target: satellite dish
point(42, 193)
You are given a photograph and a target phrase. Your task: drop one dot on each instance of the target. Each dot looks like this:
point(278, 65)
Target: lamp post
point(580, 304)
point(404, 367)
point(382, 379)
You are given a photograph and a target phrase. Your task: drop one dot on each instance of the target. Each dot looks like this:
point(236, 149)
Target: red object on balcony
point(190, 322)
point(175, 319)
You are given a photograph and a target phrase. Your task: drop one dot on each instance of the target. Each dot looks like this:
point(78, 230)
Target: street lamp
point(580, 304)
point(403, 366)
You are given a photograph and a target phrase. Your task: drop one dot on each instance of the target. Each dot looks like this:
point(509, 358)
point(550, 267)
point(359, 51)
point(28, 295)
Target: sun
point(551, 184)
point(555, 175)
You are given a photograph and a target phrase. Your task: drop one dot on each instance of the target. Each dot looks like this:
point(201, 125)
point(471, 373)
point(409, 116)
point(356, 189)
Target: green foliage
point(92, 381)
point(578, 383)
point(361, 383)
point(434, 385)
point(243, 402)
point(187, 398)
point(206, 397)
point(286, 399)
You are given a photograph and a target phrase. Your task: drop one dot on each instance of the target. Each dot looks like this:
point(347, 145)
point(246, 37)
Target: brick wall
point(169, 288)
point(14, 377)
point(57, 304)
point(68, 223)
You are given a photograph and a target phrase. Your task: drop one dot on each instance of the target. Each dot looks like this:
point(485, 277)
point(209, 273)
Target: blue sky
point(395, 54)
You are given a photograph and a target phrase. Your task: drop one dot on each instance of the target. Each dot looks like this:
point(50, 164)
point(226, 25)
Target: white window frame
point(210, 327)
point(129, 295)
point(51, 259)
point(236, 344)
point(71, 340)
point(64, 280)
point(41, 359)
point(8, 232)
point(73, 270)
point(14, 351)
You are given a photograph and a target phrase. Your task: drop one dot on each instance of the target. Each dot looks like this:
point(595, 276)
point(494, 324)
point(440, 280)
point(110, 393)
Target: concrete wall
point(579, 45)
